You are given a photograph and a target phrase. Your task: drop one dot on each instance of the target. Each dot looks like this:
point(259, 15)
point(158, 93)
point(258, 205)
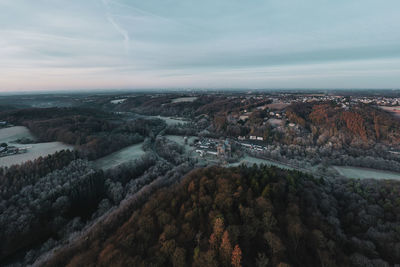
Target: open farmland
point(249, 160)
point(124, 155)
point(170, 121)
point(13, 133)
point(118, 101)
point(183, 99)
point(34, 151)
point(365, 173)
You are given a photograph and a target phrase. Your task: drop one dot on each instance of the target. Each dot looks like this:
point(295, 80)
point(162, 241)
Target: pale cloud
point(47, 44)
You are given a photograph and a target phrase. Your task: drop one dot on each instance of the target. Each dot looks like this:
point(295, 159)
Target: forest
point(94, 132)
point(209, 104)
point(45, 201)
point(166, 209)
point(359, 125)
point(250, 216)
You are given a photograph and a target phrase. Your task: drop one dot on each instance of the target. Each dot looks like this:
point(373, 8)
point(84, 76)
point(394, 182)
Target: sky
point(171, 44)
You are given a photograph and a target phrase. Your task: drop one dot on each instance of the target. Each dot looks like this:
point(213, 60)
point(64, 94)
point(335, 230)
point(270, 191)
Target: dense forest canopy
point(257, 216)
point(163, 208)
point(357, 123)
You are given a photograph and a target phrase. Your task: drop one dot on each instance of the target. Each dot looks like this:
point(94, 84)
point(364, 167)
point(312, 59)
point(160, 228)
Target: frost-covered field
point(13, 133)
point(184, 99)
point(168, 120)
point(34, 151)
point(118, 101)
point(365, 173)
point(171, 121)
point(248, 160)
point(124, 155)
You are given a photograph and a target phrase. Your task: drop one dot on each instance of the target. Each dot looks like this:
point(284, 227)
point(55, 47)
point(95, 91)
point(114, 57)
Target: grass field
point(124, 155)
point(171, 121)
point(365, 173)
point(184, 99)
point(248, 160)
point(34, 151)
point(10, 134)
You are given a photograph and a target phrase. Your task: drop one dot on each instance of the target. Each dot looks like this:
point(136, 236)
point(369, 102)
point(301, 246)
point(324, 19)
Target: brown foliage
point(357, 122)
point(236, 256)
point(225, 249)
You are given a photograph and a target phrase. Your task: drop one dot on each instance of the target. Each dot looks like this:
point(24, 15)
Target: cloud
point(225, 43)
point(118, 27)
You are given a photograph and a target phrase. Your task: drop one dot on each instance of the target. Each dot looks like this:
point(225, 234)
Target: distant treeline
point(203, 104)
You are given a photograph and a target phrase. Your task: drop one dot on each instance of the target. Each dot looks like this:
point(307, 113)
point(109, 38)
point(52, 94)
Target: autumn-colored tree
point(213, 241)
point(225, 250)
point(218, 228)
point(272, 231)
point(236, 257)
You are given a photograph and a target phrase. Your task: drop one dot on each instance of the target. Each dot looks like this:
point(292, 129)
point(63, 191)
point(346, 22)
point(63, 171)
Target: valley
point(99, 163)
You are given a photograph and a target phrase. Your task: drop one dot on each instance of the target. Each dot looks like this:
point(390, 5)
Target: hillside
point(249, 217)
point(165, 105)
point(355, 125)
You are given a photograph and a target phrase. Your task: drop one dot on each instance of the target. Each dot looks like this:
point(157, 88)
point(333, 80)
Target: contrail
point(122, 31)
point(117, 27)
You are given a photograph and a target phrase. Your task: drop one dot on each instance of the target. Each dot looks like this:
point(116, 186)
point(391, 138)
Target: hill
point(257, 216)
point(358, 124)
